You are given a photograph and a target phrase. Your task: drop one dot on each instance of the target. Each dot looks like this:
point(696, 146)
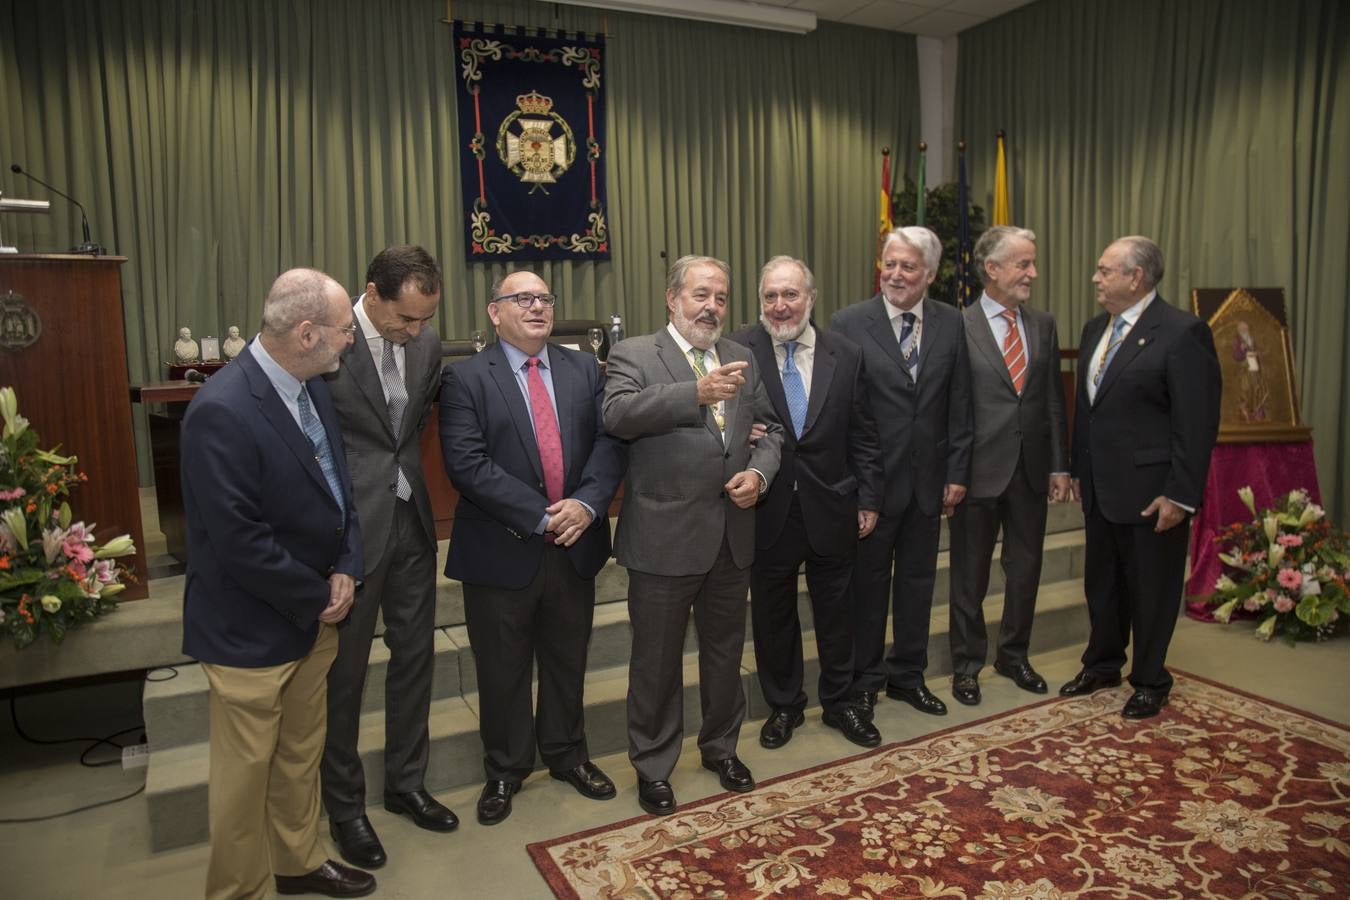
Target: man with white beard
point(824, 500)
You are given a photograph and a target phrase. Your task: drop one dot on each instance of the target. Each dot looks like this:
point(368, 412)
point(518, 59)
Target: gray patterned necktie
point(909, 346)
point(398, 404)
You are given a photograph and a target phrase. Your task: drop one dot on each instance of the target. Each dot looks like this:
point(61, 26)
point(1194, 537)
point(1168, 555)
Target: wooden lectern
point(72, 381)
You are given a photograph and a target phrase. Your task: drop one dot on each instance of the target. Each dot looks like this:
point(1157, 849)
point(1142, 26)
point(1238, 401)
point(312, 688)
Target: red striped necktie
point(1014, 353)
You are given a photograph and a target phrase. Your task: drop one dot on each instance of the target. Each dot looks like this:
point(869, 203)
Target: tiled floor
point(104, 853)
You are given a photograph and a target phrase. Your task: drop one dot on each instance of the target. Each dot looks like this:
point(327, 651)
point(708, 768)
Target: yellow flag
point(884, 223)
point(1001, 216)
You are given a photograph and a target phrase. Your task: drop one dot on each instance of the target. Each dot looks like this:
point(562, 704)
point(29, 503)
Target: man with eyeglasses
point(383, 393)
point(524, 444)
point(274, 555)
point(1146, 421)
point(825, 499)
point(686, 399)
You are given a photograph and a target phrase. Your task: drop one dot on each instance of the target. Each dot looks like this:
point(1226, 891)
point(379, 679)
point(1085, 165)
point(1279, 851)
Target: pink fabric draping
point(1271, 470)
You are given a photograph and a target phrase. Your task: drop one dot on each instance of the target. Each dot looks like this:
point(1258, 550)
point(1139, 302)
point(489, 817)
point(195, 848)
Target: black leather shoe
point(777, 729)
point(494, 804)
point(732, 773)
point(589, 781)
point(425, 811)
point(866, 704)
point(1144, 704)
point(357, 842)
point(848, 719)
point(1086, 682)
point(1023, 675)
point(921, 698)
point(656, 797)
point(966, 689)
point(330, 879)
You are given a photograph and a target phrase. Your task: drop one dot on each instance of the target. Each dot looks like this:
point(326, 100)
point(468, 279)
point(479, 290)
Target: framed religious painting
point(1256, 357)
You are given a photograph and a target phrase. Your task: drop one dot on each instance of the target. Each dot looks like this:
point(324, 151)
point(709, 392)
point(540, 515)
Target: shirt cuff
point(763, 482)
point(1190, 510)
point(543, 524)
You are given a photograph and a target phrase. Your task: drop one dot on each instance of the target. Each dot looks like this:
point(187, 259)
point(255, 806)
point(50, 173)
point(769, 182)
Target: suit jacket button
point(338, 531)
point(727, 454)
point(723, 495)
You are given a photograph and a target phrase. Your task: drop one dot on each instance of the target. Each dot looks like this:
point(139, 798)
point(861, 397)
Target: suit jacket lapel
point(1031, 336)
point(1131, 345)
point(278, 415)
point(416, 354)
point(931, 331)
point(500, 368)
point(678, 364)
point(822, 373)
point(563, 382)
point(978, 327)
point(730, 407)
point(761, 345)
point(367, 378)
point(882, 332)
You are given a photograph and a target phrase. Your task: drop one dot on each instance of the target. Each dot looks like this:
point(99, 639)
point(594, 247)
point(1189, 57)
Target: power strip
point(137, 756)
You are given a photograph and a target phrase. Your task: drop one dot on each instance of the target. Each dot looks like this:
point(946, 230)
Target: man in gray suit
point(686, 400)
point(383, 392)
point(1020, 456)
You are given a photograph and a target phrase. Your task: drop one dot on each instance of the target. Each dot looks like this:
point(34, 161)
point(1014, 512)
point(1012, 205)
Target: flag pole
point(884, 219)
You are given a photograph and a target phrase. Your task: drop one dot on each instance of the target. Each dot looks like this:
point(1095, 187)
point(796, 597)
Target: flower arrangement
point(1287, 568)
point(52, 574)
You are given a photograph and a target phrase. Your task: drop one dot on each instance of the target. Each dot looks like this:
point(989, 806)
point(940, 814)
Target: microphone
point(88, 246)
point(193, 376)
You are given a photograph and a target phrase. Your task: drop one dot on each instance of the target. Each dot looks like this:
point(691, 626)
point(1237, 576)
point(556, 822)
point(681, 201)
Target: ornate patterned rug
point(1223, 795)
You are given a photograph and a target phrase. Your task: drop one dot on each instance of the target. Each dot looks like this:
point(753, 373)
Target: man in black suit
point(1020, 455)
point(383, 392)
point(825, 498)
point(918, 386)
point(525, 446)
point(274, 554)
point(1147, 418)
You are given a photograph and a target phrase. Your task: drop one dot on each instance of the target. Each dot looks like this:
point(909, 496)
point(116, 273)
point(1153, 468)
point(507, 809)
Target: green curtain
point(216, 144)
point(1219, 128)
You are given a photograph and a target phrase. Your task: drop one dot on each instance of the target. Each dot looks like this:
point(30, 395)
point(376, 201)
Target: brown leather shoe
point(331, 879)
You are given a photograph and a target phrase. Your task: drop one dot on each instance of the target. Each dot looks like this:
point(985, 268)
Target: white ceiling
point(935, 18)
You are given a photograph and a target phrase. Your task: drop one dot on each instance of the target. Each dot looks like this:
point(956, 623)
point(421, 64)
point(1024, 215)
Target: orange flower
point(31, 507)
point(51, 489)
point(4, 561)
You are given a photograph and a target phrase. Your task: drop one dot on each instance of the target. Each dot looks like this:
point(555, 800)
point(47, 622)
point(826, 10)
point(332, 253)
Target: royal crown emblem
point(531, 151)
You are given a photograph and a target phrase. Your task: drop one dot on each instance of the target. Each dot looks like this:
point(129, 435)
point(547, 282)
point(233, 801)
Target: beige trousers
point(267, 734)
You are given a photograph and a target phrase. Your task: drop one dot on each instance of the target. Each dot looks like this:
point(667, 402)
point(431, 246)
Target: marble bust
point(185, 349)
point(233, 344)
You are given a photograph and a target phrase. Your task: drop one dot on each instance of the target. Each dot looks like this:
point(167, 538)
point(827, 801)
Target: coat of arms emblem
point(532, 152)
point(20, 326)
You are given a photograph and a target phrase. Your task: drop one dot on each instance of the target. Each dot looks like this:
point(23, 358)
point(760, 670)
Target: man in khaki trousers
point(274, 551)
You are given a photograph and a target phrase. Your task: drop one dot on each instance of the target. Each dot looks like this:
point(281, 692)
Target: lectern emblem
point(20, 326)
point(533, 153)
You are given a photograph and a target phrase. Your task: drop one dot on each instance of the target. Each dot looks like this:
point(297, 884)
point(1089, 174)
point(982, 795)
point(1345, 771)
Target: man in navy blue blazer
point(274, 552)
point(525, 446)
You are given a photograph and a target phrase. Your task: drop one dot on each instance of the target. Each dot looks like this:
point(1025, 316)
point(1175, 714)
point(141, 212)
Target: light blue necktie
point(794, 389)
point(909, 349)
point(1112, 347)
point(318, 439)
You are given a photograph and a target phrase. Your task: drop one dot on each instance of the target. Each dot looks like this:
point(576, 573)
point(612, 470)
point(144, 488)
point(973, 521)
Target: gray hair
point(919, 238)
point(807, 275)
point(296, 296)
point(993, 245)
point(681, 267)
point(1143, 253)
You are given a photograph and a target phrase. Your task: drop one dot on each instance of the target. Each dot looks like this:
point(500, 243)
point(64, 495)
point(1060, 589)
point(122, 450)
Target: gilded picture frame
point(1251, 335)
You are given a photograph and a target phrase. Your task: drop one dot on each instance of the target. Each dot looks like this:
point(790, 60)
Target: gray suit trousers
point(658, 606)
point(404, 587)
point(1020, 512)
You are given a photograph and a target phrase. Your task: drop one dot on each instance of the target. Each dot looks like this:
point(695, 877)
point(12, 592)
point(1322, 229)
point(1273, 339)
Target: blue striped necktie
point(794, 389)
point(318, 440)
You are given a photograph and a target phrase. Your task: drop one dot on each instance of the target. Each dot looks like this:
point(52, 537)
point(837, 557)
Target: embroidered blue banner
point(531, 131)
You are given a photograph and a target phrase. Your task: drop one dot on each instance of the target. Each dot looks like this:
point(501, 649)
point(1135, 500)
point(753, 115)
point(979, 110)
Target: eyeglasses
point(525, 299)
point(348, 330)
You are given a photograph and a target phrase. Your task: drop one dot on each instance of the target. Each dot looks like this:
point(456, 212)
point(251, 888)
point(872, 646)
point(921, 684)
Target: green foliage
point(942, 214)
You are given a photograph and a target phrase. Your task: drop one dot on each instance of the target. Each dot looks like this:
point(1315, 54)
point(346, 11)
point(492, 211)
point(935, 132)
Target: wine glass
point(479, 339)
point(597, 339)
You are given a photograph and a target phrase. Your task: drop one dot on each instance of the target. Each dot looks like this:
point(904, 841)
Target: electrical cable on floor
point(94, 743)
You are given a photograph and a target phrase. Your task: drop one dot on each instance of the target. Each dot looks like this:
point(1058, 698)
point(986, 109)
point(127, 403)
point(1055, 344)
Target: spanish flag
point(1002, 215)
point(884, 224)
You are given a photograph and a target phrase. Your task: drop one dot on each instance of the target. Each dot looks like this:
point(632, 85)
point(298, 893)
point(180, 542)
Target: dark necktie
point(909, 343)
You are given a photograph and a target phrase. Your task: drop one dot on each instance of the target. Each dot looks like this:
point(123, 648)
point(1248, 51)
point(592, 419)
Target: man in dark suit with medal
point(1146, 421)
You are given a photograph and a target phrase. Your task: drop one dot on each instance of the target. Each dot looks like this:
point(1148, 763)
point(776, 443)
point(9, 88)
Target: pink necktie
point(545, 432)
